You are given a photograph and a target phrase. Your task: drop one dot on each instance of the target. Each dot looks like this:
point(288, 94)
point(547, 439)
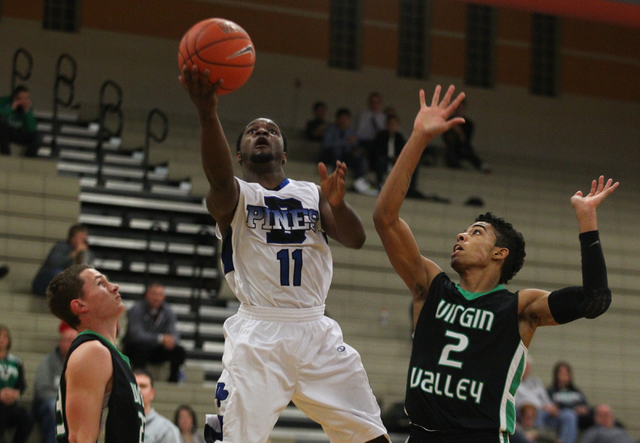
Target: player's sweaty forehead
point(262, 122)
point(483, 226)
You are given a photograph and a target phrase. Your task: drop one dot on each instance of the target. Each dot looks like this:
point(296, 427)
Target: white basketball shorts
point(273, 356)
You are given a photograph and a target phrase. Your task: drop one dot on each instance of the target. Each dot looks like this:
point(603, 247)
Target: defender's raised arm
point(396, 236)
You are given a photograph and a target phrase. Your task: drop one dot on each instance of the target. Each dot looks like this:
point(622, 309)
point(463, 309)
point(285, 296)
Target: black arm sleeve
point(594, 297)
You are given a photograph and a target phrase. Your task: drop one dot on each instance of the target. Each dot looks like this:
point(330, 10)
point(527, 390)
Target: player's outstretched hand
point(201, 91)
point(434, 120)
point(599, 191)
point(333, 186)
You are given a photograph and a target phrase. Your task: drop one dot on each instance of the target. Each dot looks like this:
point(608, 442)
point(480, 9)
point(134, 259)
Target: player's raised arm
point(593, 298)
point(217, 160)
point(339, 220)
point(399, 243)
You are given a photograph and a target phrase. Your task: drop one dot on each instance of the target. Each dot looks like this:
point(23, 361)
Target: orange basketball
point(222, 47)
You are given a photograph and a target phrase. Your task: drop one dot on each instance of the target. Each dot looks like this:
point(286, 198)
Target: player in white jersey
point(280, 347)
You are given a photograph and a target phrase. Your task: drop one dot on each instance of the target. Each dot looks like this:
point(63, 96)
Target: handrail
point(15, 73)
point(67, 80)
point(106, 107)
point(158, 138)
point(155, 227)
point(197, 281)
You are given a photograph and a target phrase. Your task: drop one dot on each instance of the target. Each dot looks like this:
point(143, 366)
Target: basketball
point(222, 47)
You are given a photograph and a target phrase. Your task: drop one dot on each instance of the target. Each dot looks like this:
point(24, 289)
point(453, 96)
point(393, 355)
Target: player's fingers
point(182, 82)
point(454, 121)
point(456, 102)
point(217, 85)
point(204, 78)
point(600, 183)
point(322, 170)
point(436, 96)
point(610, 186)
point(423, 103)
point(447, 96)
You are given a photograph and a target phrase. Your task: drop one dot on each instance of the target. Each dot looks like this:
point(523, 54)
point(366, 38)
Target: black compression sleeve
point(594, 275)
point(594, 297)
point(594, 270)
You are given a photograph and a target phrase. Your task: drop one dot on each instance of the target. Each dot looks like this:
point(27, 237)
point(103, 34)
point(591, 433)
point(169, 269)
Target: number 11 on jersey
point(285, 268)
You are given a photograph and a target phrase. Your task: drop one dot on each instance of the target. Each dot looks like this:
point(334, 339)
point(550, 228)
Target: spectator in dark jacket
point(64, 254)
point(387, 146)
point(151, 335)
point(566, 395)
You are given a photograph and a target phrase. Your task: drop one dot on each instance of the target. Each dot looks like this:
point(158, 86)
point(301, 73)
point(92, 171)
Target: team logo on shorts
point(221, 393)
point(341, 349)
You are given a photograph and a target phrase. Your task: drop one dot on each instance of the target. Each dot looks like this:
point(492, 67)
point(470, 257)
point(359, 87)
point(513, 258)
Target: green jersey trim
point(108, 343)
point(473, 295)
point(514, 377)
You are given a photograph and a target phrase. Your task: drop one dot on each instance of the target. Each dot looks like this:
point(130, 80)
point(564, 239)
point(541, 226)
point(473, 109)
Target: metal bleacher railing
point(158, 138)
point(16, 73)
point(107, 108)
point(62, 79)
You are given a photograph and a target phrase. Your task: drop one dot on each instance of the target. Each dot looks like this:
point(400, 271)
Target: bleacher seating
point(367, 298)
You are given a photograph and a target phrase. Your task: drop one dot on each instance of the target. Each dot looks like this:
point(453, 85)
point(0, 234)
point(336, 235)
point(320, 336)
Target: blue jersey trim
point(227, 252)
point(282, 184)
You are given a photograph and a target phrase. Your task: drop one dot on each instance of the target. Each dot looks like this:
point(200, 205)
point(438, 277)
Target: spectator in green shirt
point(17, 122)
point(12, 386)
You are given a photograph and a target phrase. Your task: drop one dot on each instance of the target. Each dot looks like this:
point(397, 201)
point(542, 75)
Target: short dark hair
point(507, 237)
point(190, 410)
point(151, 285)
point(342, 111)
point(319, 104)
point(73, 230)
point(17, 90)
point(239, 139)
point(373, 94)
point(63, 289)
point(6, 329)
point(141, 371)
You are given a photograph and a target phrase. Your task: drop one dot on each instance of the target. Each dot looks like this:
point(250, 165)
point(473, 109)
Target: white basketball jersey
point(275, 253)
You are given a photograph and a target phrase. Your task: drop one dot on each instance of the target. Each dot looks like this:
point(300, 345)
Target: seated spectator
point(340, 143)
point(151, 335)
point(48, 381)
point(604, 429)
point(387, 146)
point(458, 142)
point(12, 386)
point(317, 125)
point(74, 251)
point(566, 396)
point(157, 429)
point(185, 420)
point(532, 432)
point(17, 122)
point(370, 121)
point(4, 270)
point(532, 391)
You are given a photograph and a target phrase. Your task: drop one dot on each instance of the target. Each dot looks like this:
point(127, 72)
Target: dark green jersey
point(466, 363)
point(122, 419)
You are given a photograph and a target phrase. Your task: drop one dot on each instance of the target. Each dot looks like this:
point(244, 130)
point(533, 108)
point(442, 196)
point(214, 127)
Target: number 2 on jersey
point(463, 342)
point(296, 257)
